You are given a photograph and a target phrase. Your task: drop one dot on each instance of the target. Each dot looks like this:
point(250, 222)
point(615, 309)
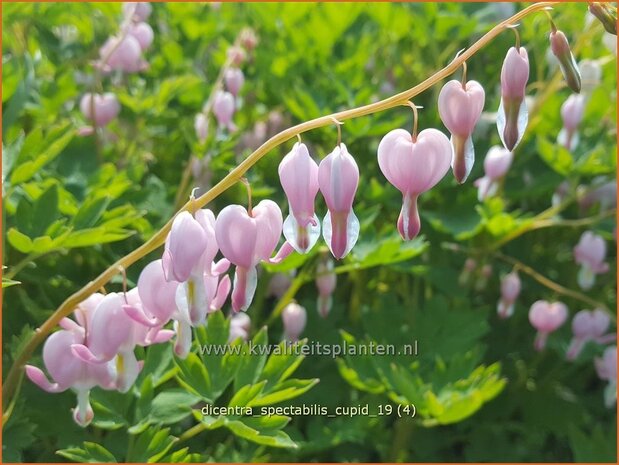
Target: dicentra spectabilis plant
point(338, 178)
point(588, 326)
point(460, 104)
point(182, 291)
point(510, 290)
point(546, 317)
point(298, 174)
point(413, 163)
point(590, 253)
point(512, 118)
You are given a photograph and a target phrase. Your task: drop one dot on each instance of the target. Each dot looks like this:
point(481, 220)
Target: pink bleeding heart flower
point(588, 326)
point(143, 33)
point(326, 280)
point(294, 318)
point(546, 318)
point(240, 325)
point(113, 335)
point(512, 117)
point(249, 40)
point(338, 179)
point(201, 126)
point(496, 165)
point(122, 54)
point(245, 238)
point(223, 109)
point(184, 247)
point(137, 11)
point(590, 253)
point(572, 112)
point(298, 174)
point(561, 49)
point(413, 166)
point(606, 368)
point(460, 106)
point(100, 109)
point(236, 55)
point(605, 194)
point(234, 80)
point(510, 290)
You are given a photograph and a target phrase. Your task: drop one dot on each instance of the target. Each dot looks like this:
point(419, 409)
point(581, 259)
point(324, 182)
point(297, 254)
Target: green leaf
point(19, 241)
point(555, 156)
point(52, 149)
point(91, 453)
point(282, 362)
point(172, 406)
point(45, 210)
point(287, 390)
point(9, 282)
point(194, 377)
point(246, 394)
point(95, 236)
point(267, 437)
point(252, 365)
point(90, 212)
point(151, 445)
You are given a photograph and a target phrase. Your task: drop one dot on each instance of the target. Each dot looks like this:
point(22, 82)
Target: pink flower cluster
point(122, 52)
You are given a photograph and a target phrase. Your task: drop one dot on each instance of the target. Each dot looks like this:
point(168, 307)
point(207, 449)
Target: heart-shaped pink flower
point(245, 239)
point(413, 167)
point(546, 317)
point(104, 110)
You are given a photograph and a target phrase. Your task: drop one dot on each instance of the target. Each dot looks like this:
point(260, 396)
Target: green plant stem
point(22, 264)
point(10, 383)
point(191, 432)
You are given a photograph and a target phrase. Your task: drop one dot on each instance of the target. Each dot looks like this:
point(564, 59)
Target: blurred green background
point(72, 205)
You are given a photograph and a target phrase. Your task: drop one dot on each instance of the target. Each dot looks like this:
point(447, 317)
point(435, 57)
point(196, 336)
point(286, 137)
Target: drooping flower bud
point(338, 178)
point(240, 325)
point(605, 194)
point(572, 112)
point(496, 165)
point(143, 33)
point(485, 273)
point(326, 280)
point(546, 318)
point(561, 49)
point(512, 117)
point(460, 106)
point(201, 126)
point(104, 110)
point(298, 174)
point(223, 109)
point(137, 11)
point(234, 80)
point(606, 368)
point(587, 326)
point(467, 270)
point(294, 318)
point(249, 40)
point(606, 13)
point(245, 239)
point(510, 290)
point(413, 166)
point(590, 253)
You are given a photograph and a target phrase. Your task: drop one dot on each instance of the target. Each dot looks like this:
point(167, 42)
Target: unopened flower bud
point(294, 318)
point(572, 112)
point(249, 40)
point(561, 49)
point(137, 11)
point(240, 325)
point(236, 55)
point(606, 368)
point(512, 117)
point(100, 109)
point(234, 80)
point(590, 253)
point(606, 13)
point(223, 109)
point(200, 125)
point(467, 270)
point(510, 289)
